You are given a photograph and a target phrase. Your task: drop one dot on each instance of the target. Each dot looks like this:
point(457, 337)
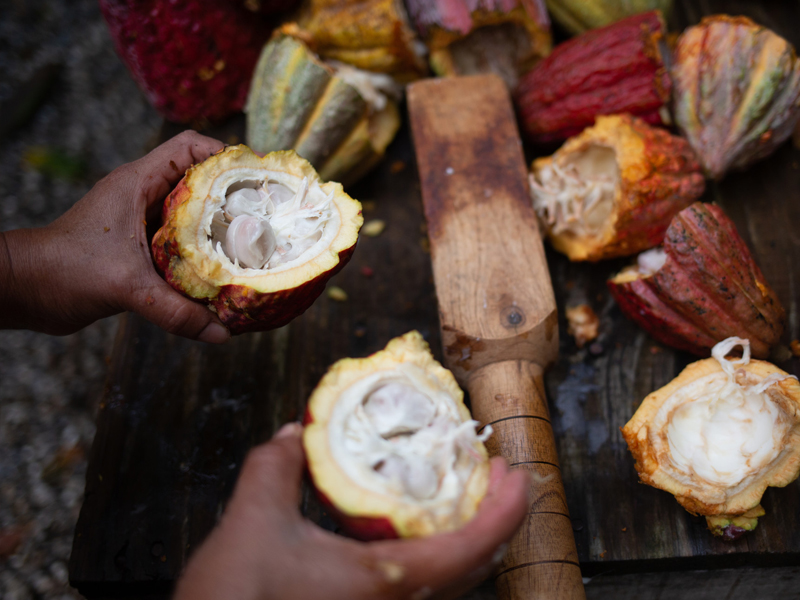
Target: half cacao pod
point(718, 435)
point(617, 69)
point(613, 190)
point(737, 91)
point(255, 238)
point(701, 288)
point(391, 448)
point(493, 36)
point(340, 120)
point(373, 35)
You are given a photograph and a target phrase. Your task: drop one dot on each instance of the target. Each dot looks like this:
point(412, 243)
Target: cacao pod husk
point(613, 190)
point(493, 36)
point(616, 69)
point(576, 16)
point(709, 288)
point(737, 91)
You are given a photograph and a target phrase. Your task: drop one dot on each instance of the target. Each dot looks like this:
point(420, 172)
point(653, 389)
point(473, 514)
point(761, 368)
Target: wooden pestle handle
point(542, 560)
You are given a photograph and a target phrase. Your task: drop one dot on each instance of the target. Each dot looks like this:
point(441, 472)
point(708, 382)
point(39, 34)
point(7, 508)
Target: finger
point(157, 302)
point(441, 561)
point(162, 168)
point(272, 472)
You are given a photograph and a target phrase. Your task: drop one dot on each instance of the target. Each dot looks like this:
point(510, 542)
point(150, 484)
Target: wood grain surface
point(177, 417)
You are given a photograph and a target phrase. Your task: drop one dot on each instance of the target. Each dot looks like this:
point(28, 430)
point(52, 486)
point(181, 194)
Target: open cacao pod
point(255, 238)
point(493, 36)
point(702, 287)
point(391, 448)
point(338, 118)
point(616, 69)
point(737, 91)
point(718, 435)
point(373, 35)
point(612, 190)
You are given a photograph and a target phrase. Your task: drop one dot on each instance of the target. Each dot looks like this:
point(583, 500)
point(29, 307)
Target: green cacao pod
point(579, 15)
point(338, 118)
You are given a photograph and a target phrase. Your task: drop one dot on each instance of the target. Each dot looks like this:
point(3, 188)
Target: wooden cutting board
point(177, 417)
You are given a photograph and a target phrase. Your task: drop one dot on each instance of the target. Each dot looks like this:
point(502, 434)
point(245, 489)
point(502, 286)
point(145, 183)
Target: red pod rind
point(616, 69)
point(192, 58)
point(709, 288)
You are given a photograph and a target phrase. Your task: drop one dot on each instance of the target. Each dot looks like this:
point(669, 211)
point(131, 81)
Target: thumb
point(272, 472)
point(160, 304)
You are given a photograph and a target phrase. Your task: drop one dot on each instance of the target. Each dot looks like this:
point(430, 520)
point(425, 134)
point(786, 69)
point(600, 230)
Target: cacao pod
point(373, 35)
point(192, 58)
point(576, 16)
point(340, 120)
point(613, 190)
point(256, 238)
point(391, 448)
point(617, 69)
point(737, 91)
point(701, 288)
point(493, 36)
point(718, 435)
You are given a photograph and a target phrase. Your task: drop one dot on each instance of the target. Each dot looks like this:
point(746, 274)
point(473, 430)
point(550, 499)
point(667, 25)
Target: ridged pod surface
point(297, 102)
point(708, 289)
point(374, 35)
point(737, 91)
point(650, 176)
point(249, 300)
point(506, 37)
point(616, 69)
point(365, 506)
point(192, 58)
point(576, 16)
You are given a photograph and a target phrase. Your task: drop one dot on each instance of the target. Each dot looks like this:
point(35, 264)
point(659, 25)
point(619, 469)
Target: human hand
point(263, 548)
point(94, 261)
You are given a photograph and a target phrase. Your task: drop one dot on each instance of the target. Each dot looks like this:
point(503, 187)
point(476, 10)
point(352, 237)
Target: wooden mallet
point(496, 306)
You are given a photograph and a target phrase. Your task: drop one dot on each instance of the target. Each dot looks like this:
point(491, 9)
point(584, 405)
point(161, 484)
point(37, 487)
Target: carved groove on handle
point(542, 561)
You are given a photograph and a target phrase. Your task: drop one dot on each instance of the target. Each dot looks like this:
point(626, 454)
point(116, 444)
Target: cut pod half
point(612, 190)
point(718, 435)
point(256, 238)
point(392, 448)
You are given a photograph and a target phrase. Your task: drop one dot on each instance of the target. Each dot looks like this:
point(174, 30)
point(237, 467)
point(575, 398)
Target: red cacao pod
point(616, 69)
point(703, 287)
point(192, 58)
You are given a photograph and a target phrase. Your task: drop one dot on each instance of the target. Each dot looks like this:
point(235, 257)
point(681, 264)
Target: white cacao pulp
point(722, 430)
point(264, 224)
point(394, 433)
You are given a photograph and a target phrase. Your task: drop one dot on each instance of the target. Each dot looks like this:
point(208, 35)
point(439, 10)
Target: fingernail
point(214, 333)
point(498, 555)
point(288, 430)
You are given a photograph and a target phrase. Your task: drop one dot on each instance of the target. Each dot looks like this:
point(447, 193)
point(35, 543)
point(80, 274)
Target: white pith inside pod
point(390, 438)
point(720, 433)
point(574, 193)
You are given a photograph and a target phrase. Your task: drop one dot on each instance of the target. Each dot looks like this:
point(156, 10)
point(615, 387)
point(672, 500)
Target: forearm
point(19, 280)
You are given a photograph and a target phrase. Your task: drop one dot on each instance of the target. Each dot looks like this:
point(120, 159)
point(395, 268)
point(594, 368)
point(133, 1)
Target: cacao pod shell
point(708, 289)
point(192, 58)
point(499, 36)
point(655, 175)
point(616, 69)
point(737, 91)
point(297, 102)
point(357, 498)
point(374, 35)
point(250, 300)
point(576, 16)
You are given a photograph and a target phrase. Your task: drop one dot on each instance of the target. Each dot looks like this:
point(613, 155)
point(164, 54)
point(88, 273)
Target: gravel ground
point(92, 119)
